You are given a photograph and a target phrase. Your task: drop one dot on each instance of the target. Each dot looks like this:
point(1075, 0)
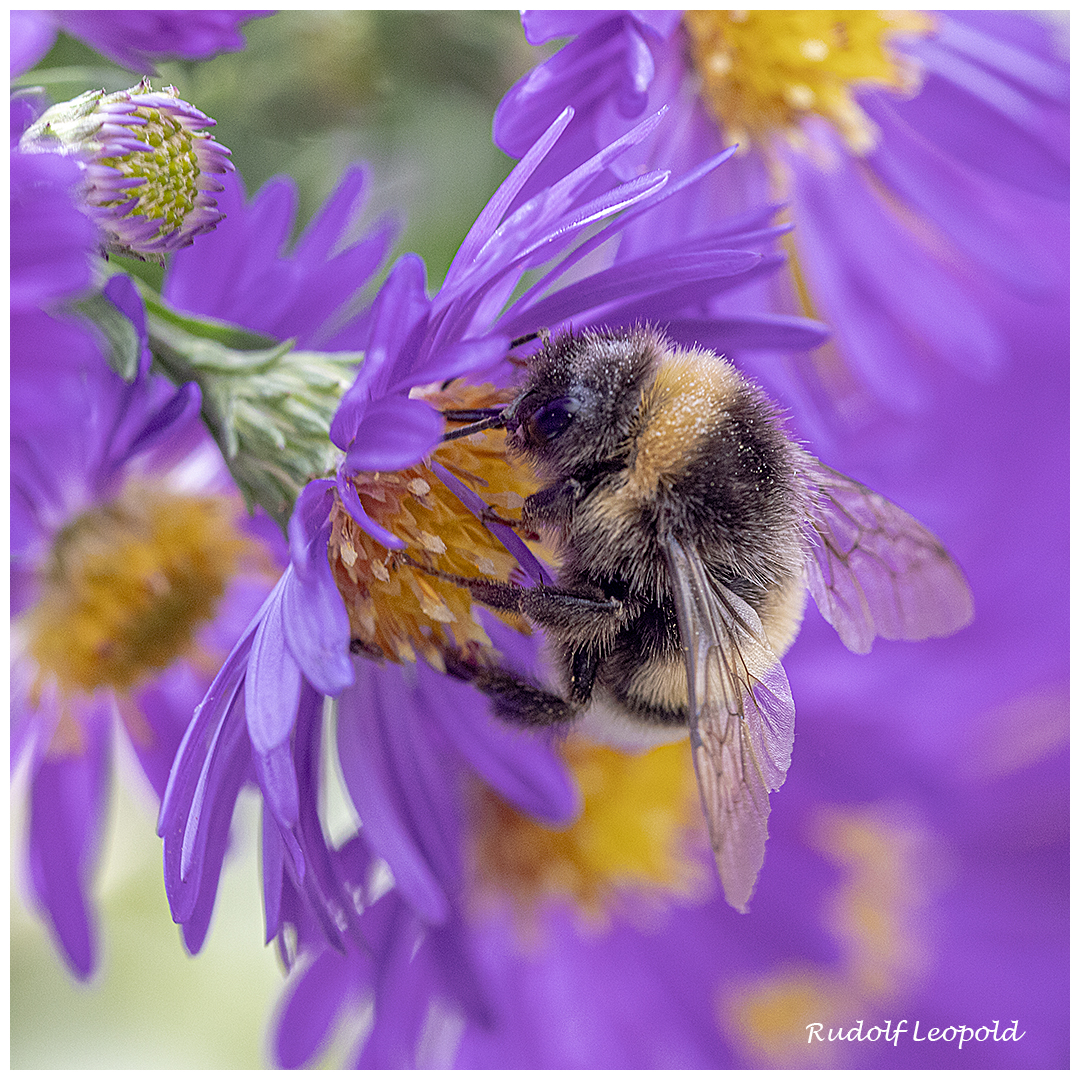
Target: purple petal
point(209, 769)
point(725, 336)
point(32, 35)
point(365, 733)
point(163, 709)
point(351, 501)
point(463, 358)
point(313, 1001)
point(963, 207)
point(400, 308)
point(543, 25)
point(315, 624)
point(120, 291)
point(132, 37)
point(273, 875)
point(272, 687)
point(663, 23)
point(1007, 58)
point(403, 988)
point(584, 71)
point(455, 967)
point(333, 883)
point(396, 432)
point(310, 515)
point(281, 792)
point(522, 768)
point(680, 270)
point(856, 252)
point(988, 125)
point(51, 240)
point(67, 802)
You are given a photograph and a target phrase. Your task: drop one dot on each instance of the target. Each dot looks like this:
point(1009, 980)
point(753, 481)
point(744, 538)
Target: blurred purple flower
point(243, 274)
point(133, 39)
point(52, 243)
point(130, 575)
point(902, 201)
point(51, 239)
point(408, 737)
point(52, 246)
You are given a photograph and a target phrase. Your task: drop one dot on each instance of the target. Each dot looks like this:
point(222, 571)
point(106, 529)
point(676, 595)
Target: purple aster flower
point(918, 870)
point(409, 740)
point(133, 39)
point(908, 148)
point(132, 573)
point(149, 170)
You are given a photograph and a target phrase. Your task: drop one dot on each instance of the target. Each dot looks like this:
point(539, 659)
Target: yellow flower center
point(126, 586)
point(763, 72)
point(398, 607)
point(635, 838)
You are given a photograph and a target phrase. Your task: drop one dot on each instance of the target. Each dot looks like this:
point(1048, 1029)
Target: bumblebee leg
point(583, 666)
point(548, 605)
point(513, 697)
point(583, 616)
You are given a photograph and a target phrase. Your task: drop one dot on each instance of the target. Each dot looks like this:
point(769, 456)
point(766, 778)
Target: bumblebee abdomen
point(645, 671)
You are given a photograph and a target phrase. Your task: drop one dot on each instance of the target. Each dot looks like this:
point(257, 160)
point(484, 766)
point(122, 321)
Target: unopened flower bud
point(148, 165)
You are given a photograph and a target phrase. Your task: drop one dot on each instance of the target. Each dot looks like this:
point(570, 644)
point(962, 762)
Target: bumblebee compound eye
point(551, 420)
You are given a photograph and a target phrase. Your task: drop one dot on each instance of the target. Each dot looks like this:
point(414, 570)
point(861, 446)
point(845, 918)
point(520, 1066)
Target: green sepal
point(121, 338)
point(267, 404)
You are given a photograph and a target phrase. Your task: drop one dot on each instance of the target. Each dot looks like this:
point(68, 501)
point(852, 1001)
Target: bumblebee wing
point(874, 570)
point(742, 718)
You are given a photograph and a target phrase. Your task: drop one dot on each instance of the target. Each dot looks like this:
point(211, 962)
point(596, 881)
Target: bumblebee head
point(577, 406)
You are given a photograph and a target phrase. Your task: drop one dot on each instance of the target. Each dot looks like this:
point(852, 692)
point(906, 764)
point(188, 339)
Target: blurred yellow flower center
point(877, 917)
point(635, 838)
point(763, 72)
point(127, 585)
point(398, 608)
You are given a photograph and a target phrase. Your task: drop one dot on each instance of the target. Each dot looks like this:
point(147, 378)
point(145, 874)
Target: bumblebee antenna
point(482, 419)
point(526, 338)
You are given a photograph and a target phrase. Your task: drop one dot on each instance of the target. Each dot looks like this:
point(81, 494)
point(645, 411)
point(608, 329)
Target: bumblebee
point(690, 528)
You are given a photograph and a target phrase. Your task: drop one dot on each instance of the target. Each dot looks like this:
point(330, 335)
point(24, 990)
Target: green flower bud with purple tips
point(149, 165)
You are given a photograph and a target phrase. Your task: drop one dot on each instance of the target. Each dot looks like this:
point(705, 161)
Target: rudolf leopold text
point(890, 1032)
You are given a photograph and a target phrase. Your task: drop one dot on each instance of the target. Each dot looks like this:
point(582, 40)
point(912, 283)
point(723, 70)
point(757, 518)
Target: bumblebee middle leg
point(549, 606)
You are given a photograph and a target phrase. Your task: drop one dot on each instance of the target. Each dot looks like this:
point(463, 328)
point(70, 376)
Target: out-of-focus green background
point(413, 94)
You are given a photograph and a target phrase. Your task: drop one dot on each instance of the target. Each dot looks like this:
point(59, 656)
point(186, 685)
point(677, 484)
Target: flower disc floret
point(399, 606)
